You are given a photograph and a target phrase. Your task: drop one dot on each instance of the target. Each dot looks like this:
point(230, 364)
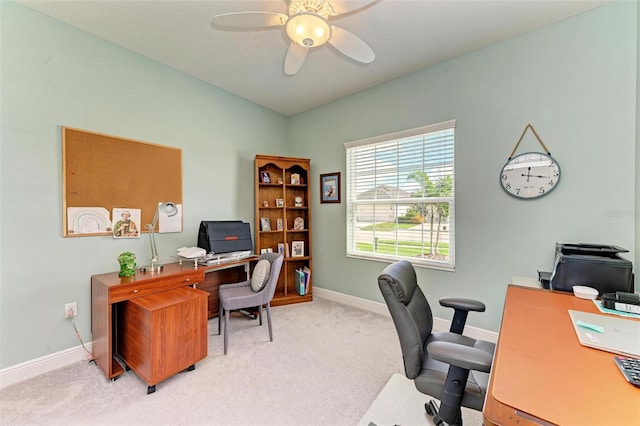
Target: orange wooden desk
point(107, 290)
point(541, 374)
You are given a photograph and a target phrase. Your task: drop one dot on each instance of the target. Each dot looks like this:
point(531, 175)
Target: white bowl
point(584, 292)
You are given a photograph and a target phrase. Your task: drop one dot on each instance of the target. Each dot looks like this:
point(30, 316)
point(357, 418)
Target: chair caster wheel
point(431, 407)
point(427, 408)
point(151, 389)
point(191, 367)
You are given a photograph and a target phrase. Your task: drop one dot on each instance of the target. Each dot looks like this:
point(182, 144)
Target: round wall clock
point(530, 175)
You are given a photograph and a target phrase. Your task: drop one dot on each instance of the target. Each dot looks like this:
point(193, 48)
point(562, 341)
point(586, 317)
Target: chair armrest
point(462, 304)
point(460, 356)
point(462, 308)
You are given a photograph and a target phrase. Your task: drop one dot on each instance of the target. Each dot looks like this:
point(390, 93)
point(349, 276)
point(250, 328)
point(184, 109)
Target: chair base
point(433, 410)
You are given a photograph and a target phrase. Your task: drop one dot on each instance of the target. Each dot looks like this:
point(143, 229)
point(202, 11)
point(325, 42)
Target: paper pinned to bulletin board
point(88, 220)
point(171, 223)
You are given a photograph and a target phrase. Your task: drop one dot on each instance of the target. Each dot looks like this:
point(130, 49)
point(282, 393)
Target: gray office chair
point(446, 365)
point(244, 295)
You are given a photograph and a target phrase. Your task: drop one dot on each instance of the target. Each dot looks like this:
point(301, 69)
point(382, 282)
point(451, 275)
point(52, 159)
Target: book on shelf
point(302, 277)
point(300, 282)
point(307, 278)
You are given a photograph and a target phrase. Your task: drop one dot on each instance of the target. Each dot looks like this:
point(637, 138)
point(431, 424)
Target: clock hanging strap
point(529, 126)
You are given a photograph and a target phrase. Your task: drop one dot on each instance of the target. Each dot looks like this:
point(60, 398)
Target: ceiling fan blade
point(340, 7)
point(351, 45)
point(249, 20)
point(294, 58)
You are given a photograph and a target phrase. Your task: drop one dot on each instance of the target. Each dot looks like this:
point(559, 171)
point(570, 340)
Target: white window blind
point(400, 196)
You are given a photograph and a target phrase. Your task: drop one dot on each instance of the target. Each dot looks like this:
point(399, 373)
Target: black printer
point(592, 265)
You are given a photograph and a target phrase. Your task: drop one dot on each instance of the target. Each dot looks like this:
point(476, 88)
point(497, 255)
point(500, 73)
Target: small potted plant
point(127, 262)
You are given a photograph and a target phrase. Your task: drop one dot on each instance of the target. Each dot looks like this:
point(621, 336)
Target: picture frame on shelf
point(330, 187)
point(265, 203)
point(281, 248)
point(295, 179)
point(298, 224)
point(279, 224)
point(279, 202)
point(265, 224)
point(297, 248)
point(265, 177)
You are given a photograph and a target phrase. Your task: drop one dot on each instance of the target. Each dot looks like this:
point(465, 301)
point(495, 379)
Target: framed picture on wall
point(330, 188)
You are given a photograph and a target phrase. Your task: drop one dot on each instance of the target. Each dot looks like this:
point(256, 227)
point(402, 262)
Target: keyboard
point(214, 259)
point(630, 368)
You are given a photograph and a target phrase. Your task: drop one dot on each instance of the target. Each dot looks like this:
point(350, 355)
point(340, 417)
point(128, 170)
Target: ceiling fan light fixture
point(308, 29)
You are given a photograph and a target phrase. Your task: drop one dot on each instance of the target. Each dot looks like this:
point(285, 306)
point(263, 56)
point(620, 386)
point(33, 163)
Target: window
point(400, 197)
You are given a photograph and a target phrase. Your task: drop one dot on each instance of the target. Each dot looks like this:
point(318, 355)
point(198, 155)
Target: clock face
point(530, 175)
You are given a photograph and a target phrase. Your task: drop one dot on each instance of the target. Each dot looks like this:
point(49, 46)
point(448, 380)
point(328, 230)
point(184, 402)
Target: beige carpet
point(326, 365)
point(400, 403)
point(329, 364)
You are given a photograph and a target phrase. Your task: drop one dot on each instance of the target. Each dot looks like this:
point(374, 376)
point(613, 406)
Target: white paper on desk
point(171, 224)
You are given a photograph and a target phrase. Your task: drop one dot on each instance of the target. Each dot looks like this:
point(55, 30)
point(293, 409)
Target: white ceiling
point(406, 36)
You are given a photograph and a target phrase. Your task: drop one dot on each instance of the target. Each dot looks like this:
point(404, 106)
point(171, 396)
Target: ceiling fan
point(307, 26)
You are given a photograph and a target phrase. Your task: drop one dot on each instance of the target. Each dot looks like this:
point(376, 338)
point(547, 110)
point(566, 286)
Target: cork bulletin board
point(102, 172)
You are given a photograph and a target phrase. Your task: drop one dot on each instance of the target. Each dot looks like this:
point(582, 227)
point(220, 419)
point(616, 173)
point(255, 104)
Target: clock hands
point(536, 176)
point(529, 175)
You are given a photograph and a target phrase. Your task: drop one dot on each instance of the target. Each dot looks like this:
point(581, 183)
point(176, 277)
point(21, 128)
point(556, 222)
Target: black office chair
point(446, 365)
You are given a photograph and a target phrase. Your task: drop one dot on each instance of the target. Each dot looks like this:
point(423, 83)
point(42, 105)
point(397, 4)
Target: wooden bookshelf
point(282, 192)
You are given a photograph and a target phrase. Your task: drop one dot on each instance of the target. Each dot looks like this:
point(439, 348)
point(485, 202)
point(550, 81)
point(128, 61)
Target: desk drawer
point(153, 285)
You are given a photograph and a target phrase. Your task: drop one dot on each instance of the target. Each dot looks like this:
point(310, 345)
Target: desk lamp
point(167, 209)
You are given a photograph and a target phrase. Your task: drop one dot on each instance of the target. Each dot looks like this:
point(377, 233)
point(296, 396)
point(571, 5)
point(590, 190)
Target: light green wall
point(54, 75)
point(576, 82)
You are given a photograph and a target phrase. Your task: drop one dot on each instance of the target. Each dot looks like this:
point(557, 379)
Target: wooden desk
point(541, 374)
point(108, 290)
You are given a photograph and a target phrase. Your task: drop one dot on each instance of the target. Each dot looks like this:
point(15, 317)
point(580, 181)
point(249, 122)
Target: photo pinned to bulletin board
point(127, 223)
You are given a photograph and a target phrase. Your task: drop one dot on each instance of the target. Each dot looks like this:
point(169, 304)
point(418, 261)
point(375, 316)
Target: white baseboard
point(28, 369)
point(44, 364)
point(380, 308)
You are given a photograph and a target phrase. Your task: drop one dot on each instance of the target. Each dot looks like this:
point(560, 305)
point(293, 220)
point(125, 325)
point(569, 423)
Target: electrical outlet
point(71, 309)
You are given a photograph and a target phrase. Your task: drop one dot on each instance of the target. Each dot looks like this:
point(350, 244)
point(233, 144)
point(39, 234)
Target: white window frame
point(363, 172)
